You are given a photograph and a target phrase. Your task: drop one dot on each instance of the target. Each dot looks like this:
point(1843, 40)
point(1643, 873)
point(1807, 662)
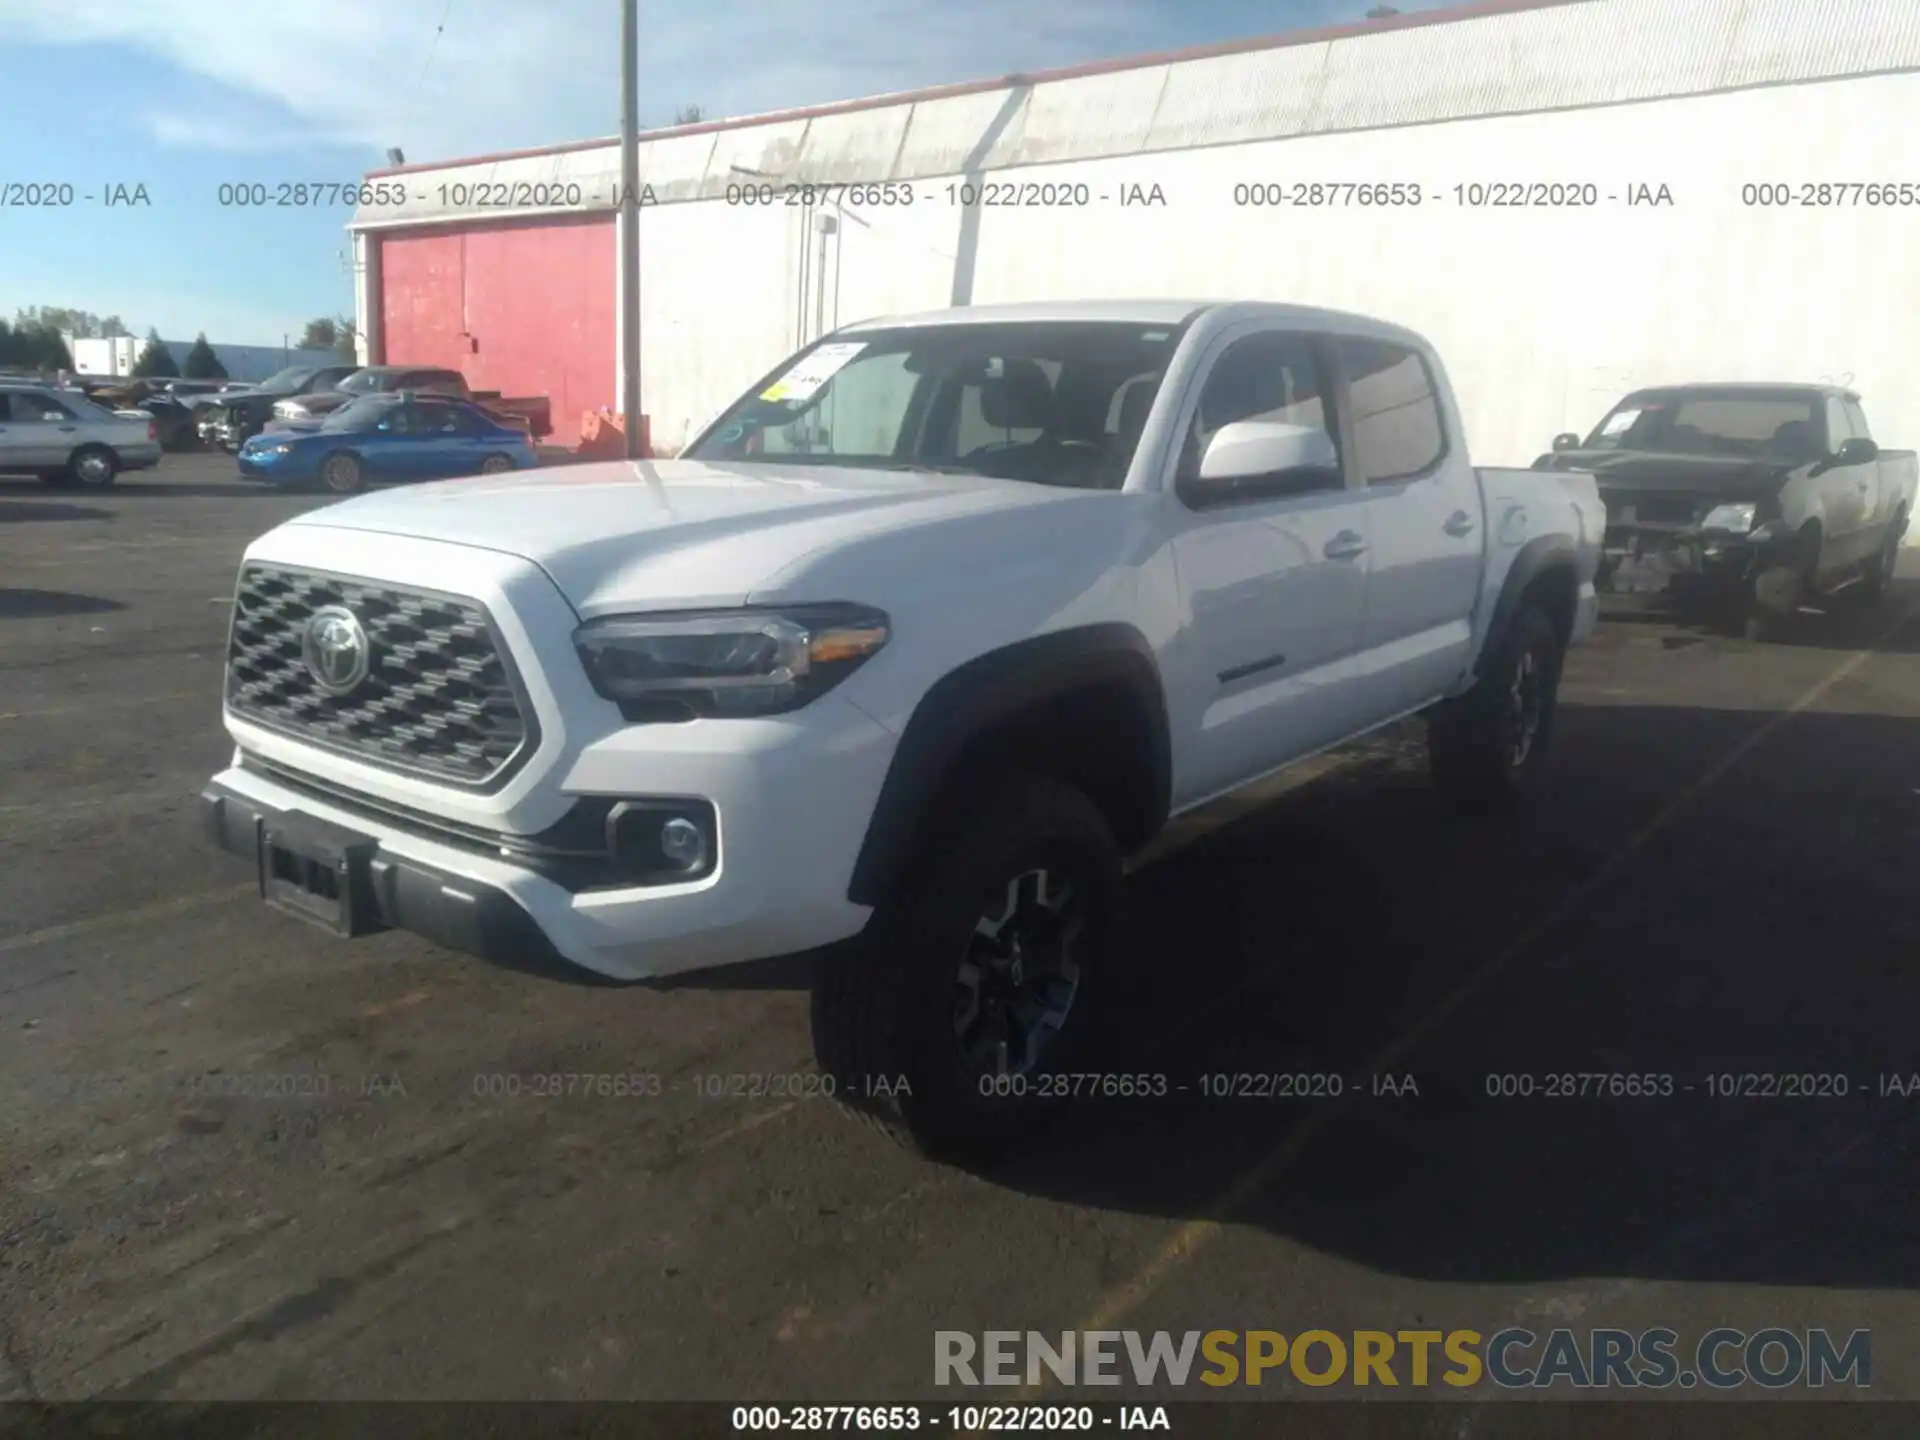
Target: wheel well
point(1555, 591)
point(1096, 738)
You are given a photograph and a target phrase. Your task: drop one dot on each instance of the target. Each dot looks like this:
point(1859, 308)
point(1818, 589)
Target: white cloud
point(526, 72)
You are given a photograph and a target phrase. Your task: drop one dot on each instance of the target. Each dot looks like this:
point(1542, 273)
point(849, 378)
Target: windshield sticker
point(1617, 424)
point(814, 370)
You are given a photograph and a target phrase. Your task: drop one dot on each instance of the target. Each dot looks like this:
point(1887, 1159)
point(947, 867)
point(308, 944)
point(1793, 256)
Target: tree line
point(35, 339)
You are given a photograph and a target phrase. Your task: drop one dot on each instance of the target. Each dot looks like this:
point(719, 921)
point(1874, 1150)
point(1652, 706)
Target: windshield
point(1054, 403)
point(358, 414)
point(361, 382)
point(1782, 426)
point(287, 379)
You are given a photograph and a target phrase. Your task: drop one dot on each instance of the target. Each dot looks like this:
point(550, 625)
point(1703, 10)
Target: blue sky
point(183, 95)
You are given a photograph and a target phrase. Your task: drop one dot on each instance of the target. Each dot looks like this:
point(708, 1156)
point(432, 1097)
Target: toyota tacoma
point(895, 666)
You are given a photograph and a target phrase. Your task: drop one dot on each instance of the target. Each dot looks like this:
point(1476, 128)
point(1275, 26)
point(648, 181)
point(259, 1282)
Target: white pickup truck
point(943, 619)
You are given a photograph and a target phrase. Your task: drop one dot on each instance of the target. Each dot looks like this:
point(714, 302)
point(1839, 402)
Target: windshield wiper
point(922, 467)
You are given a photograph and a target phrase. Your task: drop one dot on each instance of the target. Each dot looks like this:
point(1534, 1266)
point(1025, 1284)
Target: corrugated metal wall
point(1544, 315)
point(524, 308)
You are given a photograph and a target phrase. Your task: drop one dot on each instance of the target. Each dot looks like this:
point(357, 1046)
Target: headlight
point(270, 450)
point(1736, 518)
point(689, 663)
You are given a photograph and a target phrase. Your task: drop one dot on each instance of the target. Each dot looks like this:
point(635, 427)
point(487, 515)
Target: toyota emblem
point(335, 648)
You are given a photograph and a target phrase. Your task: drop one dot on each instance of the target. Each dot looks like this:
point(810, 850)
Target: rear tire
point(495, 465)
point(94, 467)
point(1484, 748)
point(975, 977)
point(342, 473)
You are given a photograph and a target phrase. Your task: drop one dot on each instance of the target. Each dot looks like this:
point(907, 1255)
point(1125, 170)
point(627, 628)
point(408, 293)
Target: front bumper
point(388, 891)
point(275, 469)
point(228, 434)
point(1680, 561)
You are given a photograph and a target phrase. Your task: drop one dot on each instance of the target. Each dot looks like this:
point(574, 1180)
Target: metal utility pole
point(630, 224)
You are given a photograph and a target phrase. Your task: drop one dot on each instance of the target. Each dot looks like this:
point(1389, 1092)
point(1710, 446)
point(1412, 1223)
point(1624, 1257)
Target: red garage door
point(523, 307)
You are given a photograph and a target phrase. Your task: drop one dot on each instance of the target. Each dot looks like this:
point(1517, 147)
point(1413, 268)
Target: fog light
point(684, 843)
point(662, 841)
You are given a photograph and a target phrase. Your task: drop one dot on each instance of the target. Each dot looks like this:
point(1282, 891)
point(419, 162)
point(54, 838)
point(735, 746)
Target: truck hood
point(675, 533)
point(1622, 474)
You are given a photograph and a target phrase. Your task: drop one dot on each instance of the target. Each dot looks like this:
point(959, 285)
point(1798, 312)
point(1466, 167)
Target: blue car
point(387, 438)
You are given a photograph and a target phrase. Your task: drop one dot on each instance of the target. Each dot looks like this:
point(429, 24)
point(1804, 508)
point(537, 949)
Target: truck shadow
point(1629, 920)
point(47, 604)
point(1839, 622)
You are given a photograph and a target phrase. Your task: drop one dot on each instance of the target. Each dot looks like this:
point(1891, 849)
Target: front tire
point(342, 473)
point(974, 979)
point(94, 467)
point(495, 465)
point(1485, 747)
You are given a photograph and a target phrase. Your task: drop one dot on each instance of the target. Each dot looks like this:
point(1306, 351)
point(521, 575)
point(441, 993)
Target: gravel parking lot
point(1717, 881)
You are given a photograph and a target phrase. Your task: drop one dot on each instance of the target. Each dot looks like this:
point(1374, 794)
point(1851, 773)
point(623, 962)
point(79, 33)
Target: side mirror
point(1566, 441)
point(1251, 456)
point(1857, 451)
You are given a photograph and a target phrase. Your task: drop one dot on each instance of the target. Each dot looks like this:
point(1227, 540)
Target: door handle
point(1458, 523)
point(1344, 546)
point(68, 429)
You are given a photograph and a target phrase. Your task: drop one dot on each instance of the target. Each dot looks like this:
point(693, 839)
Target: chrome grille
point(440, 697)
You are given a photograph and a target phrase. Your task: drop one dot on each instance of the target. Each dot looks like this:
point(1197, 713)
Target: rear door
point(1425, 521)
point(1272, 579)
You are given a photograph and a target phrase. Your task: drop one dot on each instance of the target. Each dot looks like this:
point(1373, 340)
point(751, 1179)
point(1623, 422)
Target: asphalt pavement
point(239, 1159)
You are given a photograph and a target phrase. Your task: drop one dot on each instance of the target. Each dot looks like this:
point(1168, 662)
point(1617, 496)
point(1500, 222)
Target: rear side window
point(1857, 418)
point(1397, 430)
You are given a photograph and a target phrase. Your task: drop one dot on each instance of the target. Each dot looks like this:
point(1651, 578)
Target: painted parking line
point(1192, 1236)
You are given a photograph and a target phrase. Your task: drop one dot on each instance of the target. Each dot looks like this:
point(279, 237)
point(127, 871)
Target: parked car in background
point(64, 438)
point(533, 413)
point(1762, 496)
point(383, 438)
point(372, 380)
point(229, 418)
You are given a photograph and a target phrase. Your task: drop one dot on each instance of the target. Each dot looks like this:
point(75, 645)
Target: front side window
point(1839, 430)
point(361, 414)
point(1398, 432)
point(1268, 377)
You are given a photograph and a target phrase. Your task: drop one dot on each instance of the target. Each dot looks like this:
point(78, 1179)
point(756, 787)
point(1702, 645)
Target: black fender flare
point(987, 690)
point(1535, 558)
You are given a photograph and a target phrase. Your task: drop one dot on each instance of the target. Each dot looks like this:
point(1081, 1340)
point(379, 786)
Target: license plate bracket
point(319, 872)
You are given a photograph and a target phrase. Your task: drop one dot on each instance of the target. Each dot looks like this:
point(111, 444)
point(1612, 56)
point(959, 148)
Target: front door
point(1273, 583)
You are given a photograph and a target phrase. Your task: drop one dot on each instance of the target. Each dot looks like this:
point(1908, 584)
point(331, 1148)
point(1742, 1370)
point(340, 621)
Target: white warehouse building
point(1571, 198)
